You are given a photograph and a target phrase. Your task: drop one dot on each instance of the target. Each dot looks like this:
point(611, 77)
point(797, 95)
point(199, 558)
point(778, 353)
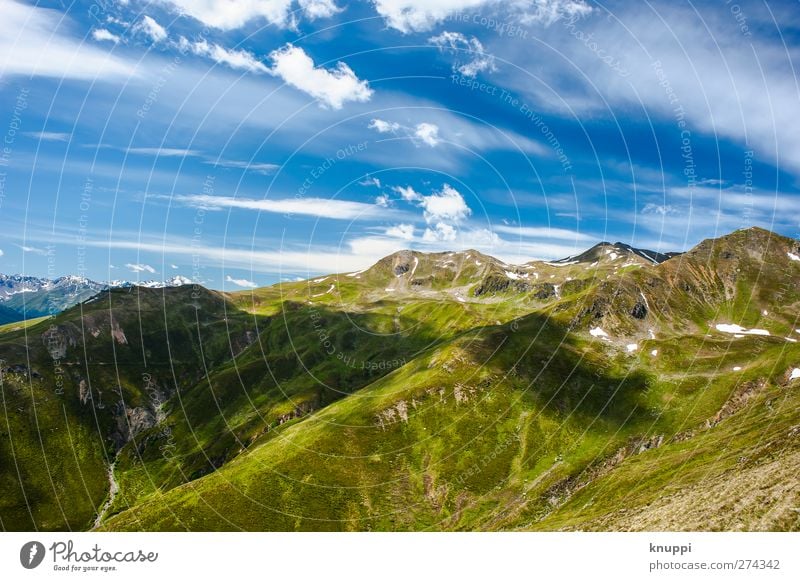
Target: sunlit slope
point(445, 391)
point(502, 428)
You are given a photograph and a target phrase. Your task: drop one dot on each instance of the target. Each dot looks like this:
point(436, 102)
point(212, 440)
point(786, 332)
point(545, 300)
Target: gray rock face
point(57, 340)
point(130, 423)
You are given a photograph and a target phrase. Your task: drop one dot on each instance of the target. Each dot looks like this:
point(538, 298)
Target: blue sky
point(243, 142)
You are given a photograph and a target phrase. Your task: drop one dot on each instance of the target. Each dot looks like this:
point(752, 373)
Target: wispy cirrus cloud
point(164, 151)
point(241, 282)
point(236, 59)
point(48, 135)
point(253, 166)
point(478, 61)
point(421, 15)
point(440, 128)
point(140, 268)
point(41, 45)
point(31, 249)
point(317, 207)
point(544, 232)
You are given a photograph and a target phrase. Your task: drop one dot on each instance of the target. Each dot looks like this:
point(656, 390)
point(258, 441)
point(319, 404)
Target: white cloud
point(403, 231)
point(442, 211)
point(102, 34)
point(33, 43)
point(382, 201)
point(140, 268)
point(48, 135)
point(743, 88)
point(173, 266)
point(235, 59)
point(458, 130)
point(549, 11)
point(319, 8)
point(382, 126)
point(544, 233)
point(370, 181)
point(322, 259)
point(441, 232)
point(231, 14)
point(319, 207)
point(163, 151)
point(31, 249)
point(662, 209)
point(332, 87)
point(421, 15)
point(447, 205)
point(428, 133)
point(242, 282)
point(458, 43)
point(407, 193)
point(1, 252)
point(150, 28)
point(262, 168)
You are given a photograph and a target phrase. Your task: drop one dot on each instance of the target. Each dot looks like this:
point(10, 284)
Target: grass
point(306, 407)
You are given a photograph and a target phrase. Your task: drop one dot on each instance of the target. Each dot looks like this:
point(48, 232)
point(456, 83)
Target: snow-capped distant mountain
point(30, 296)
point(170, 282)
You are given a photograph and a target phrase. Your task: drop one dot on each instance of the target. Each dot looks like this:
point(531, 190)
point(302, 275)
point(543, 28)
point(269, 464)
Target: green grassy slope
point(430, 392)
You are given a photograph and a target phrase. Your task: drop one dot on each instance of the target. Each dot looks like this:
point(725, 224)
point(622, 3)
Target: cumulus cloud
point(235, 59)
point(402, 231)
point(231, 14)
point(382, 201)
point(140, 268)
point(242, 282)
point(421, 15)
point(382, 126)
point(427, 133)
point(457, 43)
point(439, 232)
point(447, 205)
point(319, 8)
point(102, 34)
point(148, 27)
point(407, 193)
point(332, 87)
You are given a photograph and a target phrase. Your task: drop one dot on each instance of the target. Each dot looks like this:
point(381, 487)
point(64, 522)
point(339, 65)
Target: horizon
point(238, 287)
point(142, 141)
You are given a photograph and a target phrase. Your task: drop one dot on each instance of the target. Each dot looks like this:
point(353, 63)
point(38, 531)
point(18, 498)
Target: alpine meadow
point(527, 270)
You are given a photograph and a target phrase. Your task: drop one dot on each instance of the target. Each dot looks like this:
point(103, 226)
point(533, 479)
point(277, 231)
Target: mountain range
point(27, 297)
point(619, 389)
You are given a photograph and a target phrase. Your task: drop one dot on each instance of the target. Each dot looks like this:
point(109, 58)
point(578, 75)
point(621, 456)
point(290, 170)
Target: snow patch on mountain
point(739, 330)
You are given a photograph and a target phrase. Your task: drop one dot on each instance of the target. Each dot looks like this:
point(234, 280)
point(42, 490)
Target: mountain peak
point(607, 251)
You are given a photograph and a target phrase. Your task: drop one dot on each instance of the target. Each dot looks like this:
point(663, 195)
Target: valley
point(618, 389)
